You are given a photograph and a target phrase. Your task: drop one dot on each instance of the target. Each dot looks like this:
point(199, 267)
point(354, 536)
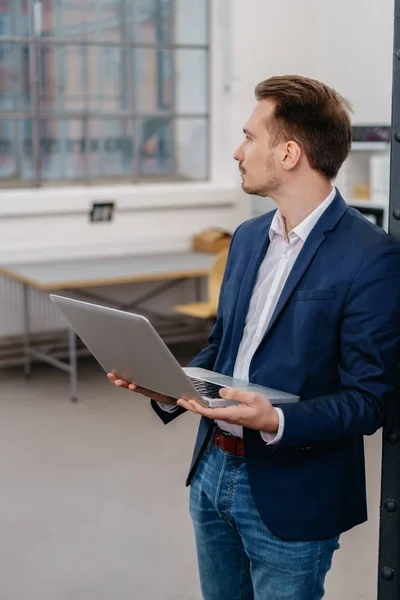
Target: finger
point(186, 404)
point(191, 405)
point(230, 413)
point(241, 396)
point(112, 377)
point(122, 383)
point(132, 387)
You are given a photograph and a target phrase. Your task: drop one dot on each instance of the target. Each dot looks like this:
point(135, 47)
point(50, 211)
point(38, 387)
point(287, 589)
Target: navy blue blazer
point(334, 340)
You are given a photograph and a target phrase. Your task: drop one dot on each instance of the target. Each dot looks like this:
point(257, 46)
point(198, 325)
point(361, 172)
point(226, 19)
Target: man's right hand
point(140, 390)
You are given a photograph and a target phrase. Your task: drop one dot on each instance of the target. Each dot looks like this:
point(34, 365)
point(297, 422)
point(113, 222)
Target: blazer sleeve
point(370, 343)
point(207, 357)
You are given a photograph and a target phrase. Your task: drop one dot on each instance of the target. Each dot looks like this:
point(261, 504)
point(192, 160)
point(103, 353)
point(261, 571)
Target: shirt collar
point(304, 228)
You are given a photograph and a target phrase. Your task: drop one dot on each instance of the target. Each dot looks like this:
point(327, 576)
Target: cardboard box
point(211, 241)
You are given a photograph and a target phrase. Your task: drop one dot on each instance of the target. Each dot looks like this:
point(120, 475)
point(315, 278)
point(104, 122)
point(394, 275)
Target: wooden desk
point(77, 275)
point(100, 271)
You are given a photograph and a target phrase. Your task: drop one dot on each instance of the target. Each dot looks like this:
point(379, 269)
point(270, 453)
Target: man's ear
point(291, 155)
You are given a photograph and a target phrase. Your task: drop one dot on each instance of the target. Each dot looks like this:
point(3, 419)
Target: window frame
point(37, 115)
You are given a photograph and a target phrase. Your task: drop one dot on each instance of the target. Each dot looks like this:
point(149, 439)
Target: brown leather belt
point(229, 443)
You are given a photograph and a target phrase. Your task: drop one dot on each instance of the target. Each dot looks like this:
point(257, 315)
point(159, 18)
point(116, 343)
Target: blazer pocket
point(315, 295)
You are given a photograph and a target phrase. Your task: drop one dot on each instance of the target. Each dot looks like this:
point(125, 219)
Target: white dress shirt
point(272, 275)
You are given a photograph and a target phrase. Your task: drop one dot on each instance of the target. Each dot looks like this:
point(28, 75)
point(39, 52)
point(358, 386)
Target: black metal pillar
point(389, 541)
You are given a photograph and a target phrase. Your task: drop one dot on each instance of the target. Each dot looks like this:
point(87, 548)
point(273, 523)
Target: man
point(310, 303)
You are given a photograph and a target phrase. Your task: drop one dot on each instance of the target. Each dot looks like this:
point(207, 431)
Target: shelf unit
point(368, 164)
point(370, 146)
point(365, 203)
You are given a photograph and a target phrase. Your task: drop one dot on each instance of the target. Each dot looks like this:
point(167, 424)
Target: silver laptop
point(127, 345)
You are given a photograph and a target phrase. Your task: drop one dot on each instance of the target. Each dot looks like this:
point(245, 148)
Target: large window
point(100, 90)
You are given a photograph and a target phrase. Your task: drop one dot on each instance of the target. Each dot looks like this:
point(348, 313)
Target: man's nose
point(238, 154)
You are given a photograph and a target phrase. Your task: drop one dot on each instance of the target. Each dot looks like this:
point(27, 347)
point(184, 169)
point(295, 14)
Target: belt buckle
point(224, 433)
point(233, 448)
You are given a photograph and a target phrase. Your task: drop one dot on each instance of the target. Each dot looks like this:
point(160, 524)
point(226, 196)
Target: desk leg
point(26, 323)
point(73, 365)
point(198, 282)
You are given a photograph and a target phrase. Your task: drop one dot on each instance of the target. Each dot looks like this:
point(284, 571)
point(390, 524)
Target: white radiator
point(43, 314)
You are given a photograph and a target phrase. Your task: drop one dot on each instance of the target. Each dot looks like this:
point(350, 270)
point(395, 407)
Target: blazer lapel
point(327, 222)
point(247, 286)
point(300, 266)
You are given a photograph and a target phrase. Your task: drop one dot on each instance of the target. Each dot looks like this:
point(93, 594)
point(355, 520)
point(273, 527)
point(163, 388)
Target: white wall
point(345, 44)
point(149, 219)
point(269, 38)
point(355, 49)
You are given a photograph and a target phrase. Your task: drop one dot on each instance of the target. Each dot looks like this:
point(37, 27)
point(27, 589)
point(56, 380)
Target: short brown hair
point(312, 114)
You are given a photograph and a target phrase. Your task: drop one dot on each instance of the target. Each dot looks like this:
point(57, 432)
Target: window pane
point(68, 155)
point(63, 79)
point(191, 21)
point(110, 152)
point(154, 79)
point(14, 77)
point(8, 163)
point(77, 78)
point(108, 20)
point(14, 20)
point(191, 81)
point(156, 146)
point(5, 18)
point(101, 20)
point(64, 19)
point(16, 162)
point(63, 153)
point(192, 148)
point(108, 90)
point(154, 21)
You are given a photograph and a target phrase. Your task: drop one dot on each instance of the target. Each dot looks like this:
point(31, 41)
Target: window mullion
point(86, 98)
point(35, 95)
point(173, 129)
point(134, 80)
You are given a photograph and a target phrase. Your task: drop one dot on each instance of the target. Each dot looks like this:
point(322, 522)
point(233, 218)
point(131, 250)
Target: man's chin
point(251, 191)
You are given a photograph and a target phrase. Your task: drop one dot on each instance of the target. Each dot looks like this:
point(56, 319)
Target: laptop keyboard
point(205, 388)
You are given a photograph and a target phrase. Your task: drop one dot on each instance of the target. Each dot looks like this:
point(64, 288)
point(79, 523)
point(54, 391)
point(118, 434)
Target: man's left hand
point(253, 410)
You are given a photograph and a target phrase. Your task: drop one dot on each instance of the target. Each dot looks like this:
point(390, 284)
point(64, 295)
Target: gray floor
point(93, 504)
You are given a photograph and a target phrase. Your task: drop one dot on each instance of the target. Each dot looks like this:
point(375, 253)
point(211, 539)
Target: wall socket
point(101, 211)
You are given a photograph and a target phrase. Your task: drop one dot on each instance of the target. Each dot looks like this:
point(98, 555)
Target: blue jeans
point(238, 557)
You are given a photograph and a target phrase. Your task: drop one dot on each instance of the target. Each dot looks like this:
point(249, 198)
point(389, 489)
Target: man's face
point(257, 156)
